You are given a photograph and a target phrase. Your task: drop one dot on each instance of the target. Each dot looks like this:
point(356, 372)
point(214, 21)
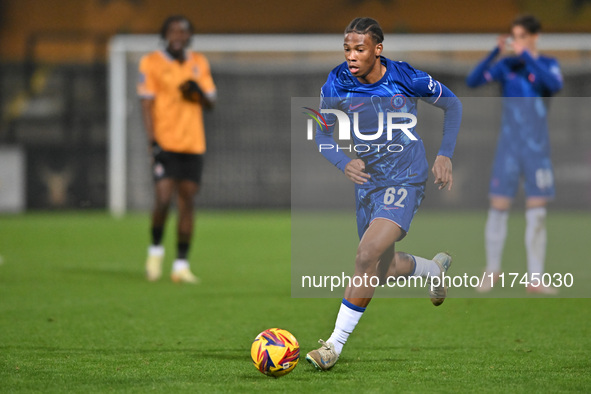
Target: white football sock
point(156, 250)
point(347, 319)
point(495, 234)
point(535, 239)
point(425, 268)
point(179, 265)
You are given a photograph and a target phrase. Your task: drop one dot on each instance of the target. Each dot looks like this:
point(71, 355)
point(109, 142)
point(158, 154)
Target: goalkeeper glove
point(191, 91)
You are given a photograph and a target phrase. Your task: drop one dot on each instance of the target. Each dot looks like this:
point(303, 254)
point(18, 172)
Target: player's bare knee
point(500, 203)
point(403, 257)
point(161, 205)
point(404, 264)
point(366, 258)
point(535, 202)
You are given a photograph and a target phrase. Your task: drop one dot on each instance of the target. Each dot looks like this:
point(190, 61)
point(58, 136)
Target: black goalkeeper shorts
point(179, 166)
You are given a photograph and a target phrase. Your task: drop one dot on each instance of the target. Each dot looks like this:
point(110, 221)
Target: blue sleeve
point(437, 94)
point(482, 72)
point(324, 133)
point(452, 108)
point(549, 77)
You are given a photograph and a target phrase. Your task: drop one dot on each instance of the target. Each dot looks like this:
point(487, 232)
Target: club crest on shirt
point(398, 101)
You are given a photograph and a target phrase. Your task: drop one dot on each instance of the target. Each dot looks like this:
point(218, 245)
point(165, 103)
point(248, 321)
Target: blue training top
point(525, 82)
point(519, 76)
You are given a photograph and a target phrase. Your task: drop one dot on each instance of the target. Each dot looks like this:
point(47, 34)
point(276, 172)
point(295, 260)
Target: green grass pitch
point(76, 314)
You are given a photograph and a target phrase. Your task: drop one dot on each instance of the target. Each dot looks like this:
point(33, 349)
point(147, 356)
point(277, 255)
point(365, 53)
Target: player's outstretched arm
point(452, 108)
point(437, 94)
point(481, 73)
point(442, 170)
point(324, 135)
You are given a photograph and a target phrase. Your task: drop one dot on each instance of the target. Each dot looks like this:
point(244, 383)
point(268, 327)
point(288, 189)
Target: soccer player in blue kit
point(389, 177)
point(527, 79)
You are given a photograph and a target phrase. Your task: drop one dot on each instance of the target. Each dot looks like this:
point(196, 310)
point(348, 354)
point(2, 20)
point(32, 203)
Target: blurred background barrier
point(248, 164)
point(12, 179)
point(67, 91)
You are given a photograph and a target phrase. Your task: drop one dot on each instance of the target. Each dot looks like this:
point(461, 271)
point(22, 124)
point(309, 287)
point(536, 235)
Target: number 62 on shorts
point(395, 203)
point(396, 196)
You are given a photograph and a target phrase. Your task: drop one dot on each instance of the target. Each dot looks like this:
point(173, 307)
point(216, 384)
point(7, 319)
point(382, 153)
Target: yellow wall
point(20, 18)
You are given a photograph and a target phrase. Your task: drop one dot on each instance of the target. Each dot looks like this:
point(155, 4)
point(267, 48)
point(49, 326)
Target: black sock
point(182, 250)
point(157, 233)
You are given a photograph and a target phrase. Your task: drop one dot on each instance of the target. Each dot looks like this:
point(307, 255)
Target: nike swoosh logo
point(352, 107)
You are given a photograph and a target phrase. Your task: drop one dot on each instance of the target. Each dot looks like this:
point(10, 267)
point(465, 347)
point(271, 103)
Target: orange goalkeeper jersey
point(178, 123)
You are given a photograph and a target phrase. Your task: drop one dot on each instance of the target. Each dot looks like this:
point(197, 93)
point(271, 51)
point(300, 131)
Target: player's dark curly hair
point(366, 26)
point(174, 18)
point(529, 23)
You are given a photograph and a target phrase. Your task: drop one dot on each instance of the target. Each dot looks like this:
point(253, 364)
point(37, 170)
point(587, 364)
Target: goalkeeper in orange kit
point(175, 85)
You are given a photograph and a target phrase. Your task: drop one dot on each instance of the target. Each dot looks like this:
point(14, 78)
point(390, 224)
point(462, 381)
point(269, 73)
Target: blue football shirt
point(526, 83)
point(398, 157)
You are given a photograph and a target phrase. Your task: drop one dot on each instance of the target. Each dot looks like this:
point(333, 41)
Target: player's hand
point(442, 170)
point(155, 151)
point(502, 42)
point(191, 91)
point(355, 171)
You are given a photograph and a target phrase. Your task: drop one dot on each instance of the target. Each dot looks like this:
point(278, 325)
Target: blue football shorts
point(397, 204)
point(534, 167)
